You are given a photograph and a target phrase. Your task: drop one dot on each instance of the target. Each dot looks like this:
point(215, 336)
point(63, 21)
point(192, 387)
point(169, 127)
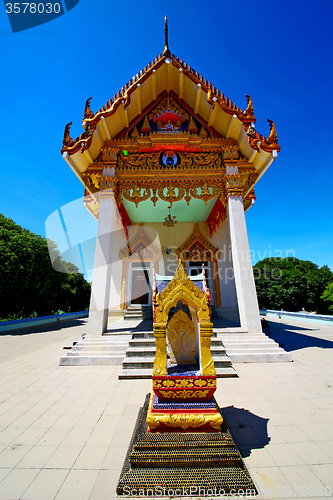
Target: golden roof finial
point(166, 51)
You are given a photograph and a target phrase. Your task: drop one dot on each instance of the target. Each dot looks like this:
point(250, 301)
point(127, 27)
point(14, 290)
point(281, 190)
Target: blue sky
point(280, 53)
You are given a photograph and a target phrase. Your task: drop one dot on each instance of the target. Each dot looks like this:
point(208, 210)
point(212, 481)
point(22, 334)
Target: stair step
point(87, 360)
point(263, 357)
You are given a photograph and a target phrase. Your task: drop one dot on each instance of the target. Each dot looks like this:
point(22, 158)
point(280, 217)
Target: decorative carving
point(68, 141)
point(160, 362)
point(138, 194)
point(184, 420)
point(205, 194)
point(109, 155)
point(187, 382)
point(87, 111)
point(145, 129)
point(272, 139)
point(191, 127)
point(168, 105)
point(254, 139)
point(140, 240)
point(181, 339)
point(249, 112)
point(185, 394)
point(233, 184)
point(171, 196)
point(197, 238)
point(135, 134)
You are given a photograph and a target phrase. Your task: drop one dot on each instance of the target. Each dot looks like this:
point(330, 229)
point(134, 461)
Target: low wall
point(18, 324)
point(317, 318)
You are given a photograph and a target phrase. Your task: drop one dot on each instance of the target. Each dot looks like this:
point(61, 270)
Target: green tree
point(29, 285)
point(327, 296)
point(75, 293)
point(291, 284)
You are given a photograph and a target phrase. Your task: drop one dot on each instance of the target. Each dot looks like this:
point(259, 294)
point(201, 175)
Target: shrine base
point(182, 463)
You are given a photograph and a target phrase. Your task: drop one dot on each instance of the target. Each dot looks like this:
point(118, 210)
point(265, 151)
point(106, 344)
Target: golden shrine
point(169, 166)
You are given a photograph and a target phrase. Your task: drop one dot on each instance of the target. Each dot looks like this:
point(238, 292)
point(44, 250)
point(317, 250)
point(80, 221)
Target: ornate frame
point(139, 249)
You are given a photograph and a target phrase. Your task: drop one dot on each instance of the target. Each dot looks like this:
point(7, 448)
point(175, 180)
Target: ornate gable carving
point(140, 247)
point(197, 247)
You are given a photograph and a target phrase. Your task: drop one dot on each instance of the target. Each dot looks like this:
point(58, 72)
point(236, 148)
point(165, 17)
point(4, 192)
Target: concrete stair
point(251, 347)
point(140, 355)
point(134, 313)
point(105, 350)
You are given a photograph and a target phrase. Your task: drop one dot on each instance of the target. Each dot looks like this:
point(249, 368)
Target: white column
point(241, 257)
point(101, 283)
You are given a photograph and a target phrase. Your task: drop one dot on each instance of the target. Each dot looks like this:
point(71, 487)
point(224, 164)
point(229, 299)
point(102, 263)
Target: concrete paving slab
point(64, 431)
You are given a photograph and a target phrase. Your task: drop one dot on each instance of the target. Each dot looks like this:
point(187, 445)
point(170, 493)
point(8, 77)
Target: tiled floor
point(64, 431)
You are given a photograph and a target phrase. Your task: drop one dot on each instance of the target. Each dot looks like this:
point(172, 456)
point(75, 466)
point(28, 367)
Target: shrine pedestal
point(160, 464)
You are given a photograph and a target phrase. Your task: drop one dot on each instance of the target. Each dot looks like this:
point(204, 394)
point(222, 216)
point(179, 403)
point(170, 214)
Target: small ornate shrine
point(184, 378)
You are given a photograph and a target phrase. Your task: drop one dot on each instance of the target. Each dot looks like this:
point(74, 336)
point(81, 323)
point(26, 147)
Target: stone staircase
point(104, 350)
point(140, 355)
point(251, 347)
point(135, 313)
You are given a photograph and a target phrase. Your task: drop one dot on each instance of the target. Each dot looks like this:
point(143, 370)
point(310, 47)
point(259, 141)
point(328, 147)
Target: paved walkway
point(64, 431)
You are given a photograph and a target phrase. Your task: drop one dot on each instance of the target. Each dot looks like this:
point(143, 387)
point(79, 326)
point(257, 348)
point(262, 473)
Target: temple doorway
point(140, 285)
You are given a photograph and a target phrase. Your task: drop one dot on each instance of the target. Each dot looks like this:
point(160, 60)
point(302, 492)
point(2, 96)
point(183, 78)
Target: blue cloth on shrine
point(161, 285)
point(184, 370)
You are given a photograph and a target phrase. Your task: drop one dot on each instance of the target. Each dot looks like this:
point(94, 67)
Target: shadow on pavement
point(247, 429)
point(48, 327)
point(288, 337)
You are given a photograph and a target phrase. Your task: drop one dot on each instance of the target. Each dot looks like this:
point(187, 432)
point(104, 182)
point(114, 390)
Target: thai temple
point(169, 167)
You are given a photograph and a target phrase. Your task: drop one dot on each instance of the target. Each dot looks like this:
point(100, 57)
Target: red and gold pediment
point(140, 247)
point(197, 247)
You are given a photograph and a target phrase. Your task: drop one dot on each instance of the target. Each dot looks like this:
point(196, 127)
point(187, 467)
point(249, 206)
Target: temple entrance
point(140, 286)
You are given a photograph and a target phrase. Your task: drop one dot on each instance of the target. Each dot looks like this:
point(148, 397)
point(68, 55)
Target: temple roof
point(168, 73)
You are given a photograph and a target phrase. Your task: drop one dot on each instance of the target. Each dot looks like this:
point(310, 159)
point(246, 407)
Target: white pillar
point(241, 257)
point(101, 283)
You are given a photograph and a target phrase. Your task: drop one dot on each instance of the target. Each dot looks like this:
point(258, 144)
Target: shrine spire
point(166, 51)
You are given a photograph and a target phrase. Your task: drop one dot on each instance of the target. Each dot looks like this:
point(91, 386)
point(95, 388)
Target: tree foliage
point(291, 284)
point(327, 296)
point(29, 285)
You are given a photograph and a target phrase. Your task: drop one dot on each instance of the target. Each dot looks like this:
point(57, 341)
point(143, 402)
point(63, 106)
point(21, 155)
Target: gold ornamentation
point(233, 184)
point(181, 340)
point(181, 288)
point(170, 220)
point(140, 240)
point(200, 383)
point(87, 111)
point(185, 394)
point(168, 105)
point(168, 383)
point(185, 420)
point(249, 112)
point(207, 363)
point(154, 198)
point(197, 237)
point(138, 194)
point(160, 363)
point(109, 155)
point(205, 194)
point(272, 138)
point(171, 196)
point(68, 141)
